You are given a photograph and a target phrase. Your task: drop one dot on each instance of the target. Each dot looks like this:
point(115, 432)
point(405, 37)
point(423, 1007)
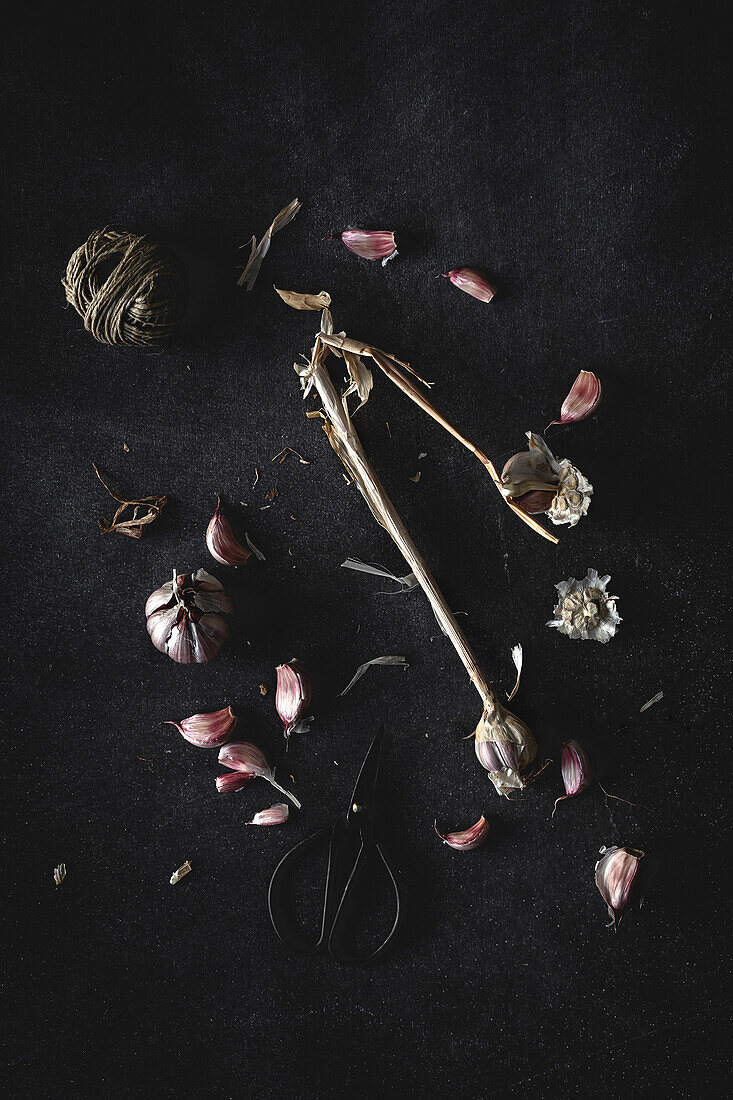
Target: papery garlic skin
point(223, 544)
point(208, 731)
point(577, 770)
point(472, 282)
point(292, 696)
point(616, 874)
point(190, 617)
point(504, 747)
point(371, 244)
point(466, 839)
point(585, 610)
point(246, 758)
point(275, 815)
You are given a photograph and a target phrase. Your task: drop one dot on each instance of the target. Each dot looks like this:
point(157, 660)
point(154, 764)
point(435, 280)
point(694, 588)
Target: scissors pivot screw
point(356, 808)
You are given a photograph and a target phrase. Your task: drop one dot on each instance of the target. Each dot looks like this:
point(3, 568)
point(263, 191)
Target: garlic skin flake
point(275, 815)
point(370, 244)
point(223, 544)
point(472, 282)
point(182, 871)
point(207, 731)
point(585, 610)
point(190, 617)
point(504, 746)
point(292, 696)
point(466, 839)
point(616, 874)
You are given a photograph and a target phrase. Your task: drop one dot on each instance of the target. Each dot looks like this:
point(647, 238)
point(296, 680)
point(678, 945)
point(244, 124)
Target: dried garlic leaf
point(144, 511)
point(182, 870)
point(408, 582)
point(258, 252)
point(368, 664)
point(257, 553)
point(517, 658)
point(360, 377)
point(654, 699)
point(304, 301)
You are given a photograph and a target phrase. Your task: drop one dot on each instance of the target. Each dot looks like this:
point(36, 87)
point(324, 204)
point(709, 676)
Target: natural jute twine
point(126, 288)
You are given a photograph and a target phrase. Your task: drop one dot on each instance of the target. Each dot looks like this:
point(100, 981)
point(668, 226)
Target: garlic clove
point(582, 401)
point(292, 696)
point(370, 244)
point(466, 839)
point(208, 731)
point(472, 282)
point(233, 781)
point(616, 876)
point(577, 770)
point(244, 757)
point(223, 544)
point(275, 815)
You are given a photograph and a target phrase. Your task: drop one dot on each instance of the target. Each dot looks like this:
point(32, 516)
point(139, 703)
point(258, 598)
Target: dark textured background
point(576, 152)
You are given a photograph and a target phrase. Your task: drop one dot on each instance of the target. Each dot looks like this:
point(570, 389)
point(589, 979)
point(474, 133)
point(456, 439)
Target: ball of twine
point(127, 289)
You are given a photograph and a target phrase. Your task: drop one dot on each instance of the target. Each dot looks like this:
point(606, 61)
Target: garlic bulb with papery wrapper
point(190, 617)
point(538, 482)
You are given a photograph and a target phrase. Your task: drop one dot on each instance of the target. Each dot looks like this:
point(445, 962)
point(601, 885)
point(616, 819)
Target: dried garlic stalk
point(258, 252)
point(497, 725)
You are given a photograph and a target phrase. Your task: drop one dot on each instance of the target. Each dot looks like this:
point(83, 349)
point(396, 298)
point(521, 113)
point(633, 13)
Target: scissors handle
point(277, 900)
point(337, 937)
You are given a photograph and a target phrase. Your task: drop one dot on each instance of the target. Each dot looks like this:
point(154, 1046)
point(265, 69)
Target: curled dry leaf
point(408, 582)
point(305, 301)
point(181, 872)
point(368, 664)
point(144, 511)
point(259, 251)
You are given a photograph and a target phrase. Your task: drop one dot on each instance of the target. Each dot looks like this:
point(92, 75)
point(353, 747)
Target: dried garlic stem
point(390, 366)
point(346, 443)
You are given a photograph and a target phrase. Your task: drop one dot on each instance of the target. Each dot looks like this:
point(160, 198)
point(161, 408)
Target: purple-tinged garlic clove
point(233, 781)
point(577, 770)
point(582, 401)
point(472, 282)
point(208, 731)
point(292, 696)
point(466, 839)
point(223, 544)
point(246, 758)
point(274, 815)
point(370, 244)
point(616, 876)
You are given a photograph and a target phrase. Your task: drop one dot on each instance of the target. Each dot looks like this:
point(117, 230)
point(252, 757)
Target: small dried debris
point(263, 689)
point(272, 494)
point(285, 452)
point(417, 477)
point(181, 872)
point(143, 512)
point(125, 447)
point(654, 699)
point(59, 873)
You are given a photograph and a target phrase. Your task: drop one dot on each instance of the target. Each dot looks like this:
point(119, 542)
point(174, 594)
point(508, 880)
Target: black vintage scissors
point(355, 843)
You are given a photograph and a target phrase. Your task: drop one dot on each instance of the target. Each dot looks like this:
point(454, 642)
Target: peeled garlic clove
point(292, 696)
point(275, 815)
point(504, 746)
point(223, 544)
point(247, 759)
point(233, 781)
point(472, 282)
point(577, 770)
point(466, 839)
point(190, 617)
point(208, 731)
point(583, 399)
point(370, 244)
point(616, 875)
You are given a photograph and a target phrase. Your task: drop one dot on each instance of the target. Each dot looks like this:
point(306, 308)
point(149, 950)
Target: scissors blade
point(366, 784)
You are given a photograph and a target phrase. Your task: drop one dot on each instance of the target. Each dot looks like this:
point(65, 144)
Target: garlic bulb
point(585, 610)
point(190, 617)
point(504, 746)
point(539, 482)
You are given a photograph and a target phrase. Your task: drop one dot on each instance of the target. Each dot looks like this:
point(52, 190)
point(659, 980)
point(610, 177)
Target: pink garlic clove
point(472, 282)
point(466, 839)
point(208, 731)
point(577, 770)
point(370, 244)
point(232, 781)
point(616, 874)
point(275, 815)
point(582, 401)
point(223, 544)
point(246, 758)
point(292, 696)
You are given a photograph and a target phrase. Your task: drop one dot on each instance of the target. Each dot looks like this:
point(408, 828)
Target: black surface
point(576, 151)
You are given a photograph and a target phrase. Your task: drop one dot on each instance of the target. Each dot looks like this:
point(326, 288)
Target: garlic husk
point(223, 544)
point(504, 747)
point(274, 815)
point(616, 875)
point(466, 839)
point(208, 731)
point(243, 756)
point(190, 617)
point(585, 610)
point(577, 770)
point(582, 401)
point(292, 696)
point(472, 282)
point(370, 244)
